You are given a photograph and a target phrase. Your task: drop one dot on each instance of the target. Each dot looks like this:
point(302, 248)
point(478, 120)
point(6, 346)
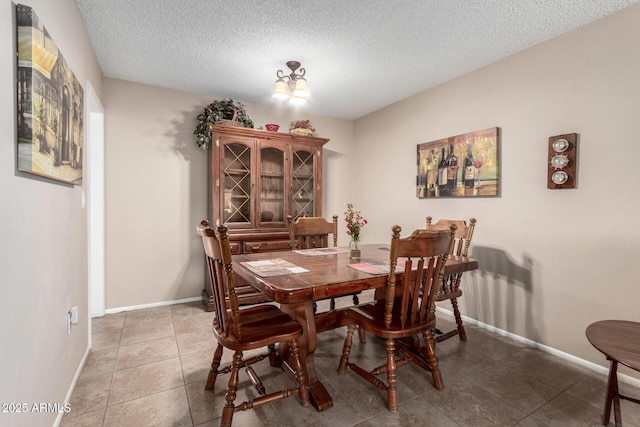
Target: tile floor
point(148, 368)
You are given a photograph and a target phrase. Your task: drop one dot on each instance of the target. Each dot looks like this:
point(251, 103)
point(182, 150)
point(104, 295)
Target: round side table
point(619, 341)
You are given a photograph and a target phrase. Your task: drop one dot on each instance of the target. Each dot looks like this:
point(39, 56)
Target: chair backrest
point(464, 233)
point(308, 232)
point(218, 255)
point(426, 253)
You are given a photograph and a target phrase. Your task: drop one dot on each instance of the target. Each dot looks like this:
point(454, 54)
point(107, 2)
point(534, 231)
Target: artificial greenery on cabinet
point(225, 112)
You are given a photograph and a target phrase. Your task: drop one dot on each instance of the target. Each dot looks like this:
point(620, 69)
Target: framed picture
point(464, 165)
point(50, 105)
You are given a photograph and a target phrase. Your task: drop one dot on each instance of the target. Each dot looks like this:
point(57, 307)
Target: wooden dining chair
point(243, 329)
point(309, 232)
point(246, 294)
point(450, 289)
point(404, 312)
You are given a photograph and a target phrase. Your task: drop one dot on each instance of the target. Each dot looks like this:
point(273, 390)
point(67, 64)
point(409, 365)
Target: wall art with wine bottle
point(464, 165)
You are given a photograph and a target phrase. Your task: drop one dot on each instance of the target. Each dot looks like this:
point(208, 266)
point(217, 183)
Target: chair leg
point(433, 361)
point(392, 388)
point(332, 304)
point(414, 340)
point(213, 372)
point(273, 356)
point(303, 388)
point(230, 396)
point(361, 336)
point(456, 312)
point(346, 350)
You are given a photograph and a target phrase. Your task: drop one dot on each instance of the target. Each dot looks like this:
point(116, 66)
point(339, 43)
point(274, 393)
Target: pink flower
point(302, 124)
point(355, 222)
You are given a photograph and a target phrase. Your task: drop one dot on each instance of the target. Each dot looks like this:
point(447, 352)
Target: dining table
point(296, 279)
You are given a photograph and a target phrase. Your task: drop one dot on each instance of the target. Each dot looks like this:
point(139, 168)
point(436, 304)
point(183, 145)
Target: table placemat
point(372, 267)
point(322, 251)
point(380, 267)
point(273, 267)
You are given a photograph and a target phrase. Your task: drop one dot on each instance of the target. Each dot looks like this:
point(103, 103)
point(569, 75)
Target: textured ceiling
point(359, 55)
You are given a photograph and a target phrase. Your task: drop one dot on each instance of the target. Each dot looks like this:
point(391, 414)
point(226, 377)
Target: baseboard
point(72, 387)
point(154, 304)
point(571, 358)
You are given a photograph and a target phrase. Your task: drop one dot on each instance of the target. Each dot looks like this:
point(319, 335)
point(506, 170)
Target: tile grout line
point(184, 380)
point(113, 374)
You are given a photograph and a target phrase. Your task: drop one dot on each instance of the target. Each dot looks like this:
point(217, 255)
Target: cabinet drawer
point(235, 247)
point(266, 246)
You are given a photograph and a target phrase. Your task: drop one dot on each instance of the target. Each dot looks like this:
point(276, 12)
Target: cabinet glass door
point(302, 185)
point(272, 184)
point(237, 184)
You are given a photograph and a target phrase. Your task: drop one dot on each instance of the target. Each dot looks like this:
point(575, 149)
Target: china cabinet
point(256, 178)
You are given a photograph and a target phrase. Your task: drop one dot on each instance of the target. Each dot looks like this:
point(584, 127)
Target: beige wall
point(43, 242)
point(552, 261)
point(156, 180)
point(549, 258)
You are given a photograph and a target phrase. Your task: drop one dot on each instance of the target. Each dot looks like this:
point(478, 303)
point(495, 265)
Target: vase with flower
point(355, 222)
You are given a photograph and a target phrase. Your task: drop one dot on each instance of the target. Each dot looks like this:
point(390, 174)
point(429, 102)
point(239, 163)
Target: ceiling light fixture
point(295, 85)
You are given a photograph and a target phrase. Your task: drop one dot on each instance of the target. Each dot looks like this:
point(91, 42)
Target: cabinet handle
point(256, 247)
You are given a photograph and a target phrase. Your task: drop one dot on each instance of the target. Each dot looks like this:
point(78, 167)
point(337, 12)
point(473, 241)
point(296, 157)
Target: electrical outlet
point(74, 315)
point(72, 318)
